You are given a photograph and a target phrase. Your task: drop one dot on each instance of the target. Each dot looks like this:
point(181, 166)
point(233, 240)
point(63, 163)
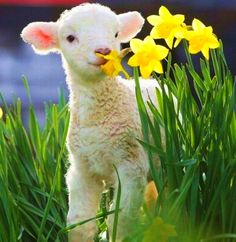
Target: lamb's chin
point(92, 73)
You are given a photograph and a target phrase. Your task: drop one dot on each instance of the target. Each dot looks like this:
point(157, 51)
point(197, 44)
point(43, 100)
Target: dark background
point(45, 74)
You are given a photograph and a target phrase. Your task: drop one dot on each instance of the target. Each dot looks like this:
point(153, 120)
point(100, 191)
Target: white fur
point(104, 121)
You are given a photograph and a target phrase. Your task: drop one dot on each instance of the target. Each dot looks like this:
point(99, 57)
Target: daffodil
point(167, 26)
point(1, 113)
point(159, 229)
point(147, 55)
point(201, 39)
point(113, 65)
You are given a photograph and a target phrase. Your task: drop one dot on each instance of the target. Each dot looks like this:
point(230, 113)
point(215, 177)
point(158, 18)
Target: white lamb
point(104, 121)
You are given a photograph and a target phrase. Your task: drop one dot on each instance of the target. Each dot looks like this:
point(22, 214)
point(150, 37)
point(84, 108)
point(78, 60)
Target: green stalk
point(144, 122)
point(117, 208)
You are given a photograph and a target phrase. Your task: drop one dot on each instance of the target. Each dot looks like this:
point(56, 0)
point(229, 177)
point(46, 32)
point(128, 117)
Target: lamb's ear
point(42, 36)
point(130, 25)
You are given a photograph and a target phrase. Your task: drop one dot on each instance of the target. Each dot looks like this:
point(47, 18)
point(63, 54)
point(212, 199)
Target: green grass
point(33, 164)
point(197, 178)
point(33, 197)
point(196, 181)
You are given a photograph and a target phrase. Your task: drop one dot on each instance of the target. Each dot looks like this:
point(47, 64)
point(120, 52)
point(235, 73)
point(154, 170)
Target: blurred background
point(45, 74)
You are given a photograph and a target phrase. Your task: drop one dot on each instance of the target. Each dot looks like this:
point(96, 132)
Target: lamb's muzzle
point(103, 51)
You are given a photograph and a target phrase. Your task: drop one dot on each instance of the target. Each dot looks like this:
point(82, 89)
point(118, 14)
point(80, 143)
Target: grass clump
point(197, 178)
point(33, 164)
point(33, 197)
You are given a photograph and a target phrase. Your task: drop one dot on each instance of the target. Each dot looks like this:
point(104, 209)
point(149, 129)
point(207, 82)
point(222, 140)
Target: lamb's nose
point(103, 51)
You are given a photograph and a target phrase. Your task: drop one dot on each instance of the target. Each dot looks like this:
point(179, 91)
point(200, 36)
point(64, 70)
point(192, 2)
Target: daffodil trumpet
point(113, 66)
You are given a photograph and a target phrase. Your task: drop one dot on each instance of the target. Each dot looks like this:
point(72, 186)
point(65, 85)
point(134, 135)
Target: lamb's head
point(82, 32)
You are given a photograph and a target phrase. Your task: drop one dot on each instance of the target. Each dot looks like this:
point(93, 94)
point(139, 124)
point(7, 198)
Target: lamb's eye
point(116, 35)
point(70, 38)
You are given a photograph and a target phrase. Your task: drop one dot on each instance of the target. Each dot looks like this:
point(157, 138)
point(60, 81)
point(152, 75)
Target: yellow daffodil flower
point(159, 229)
point(1, 113)
point(167, 26)
point(147, 55)
point(113, 65)
point(201, 38)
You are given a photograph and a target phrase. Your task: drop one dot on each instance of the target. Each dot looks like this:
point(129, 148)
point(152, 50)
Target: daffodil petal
point(119, 69)
point(154, 20)
point(161, 51)
point(205, 52)
point(180, 32)
point(179, 18)
point(163, 11)
point(146, 71)
point(178, 40)
point(157, 67)
point(117, 65)
point(214, 43)
point(149, 40)
point(125, 73)
point(133, 61)
point(208, 30)
point(108, 68)
point(114, 55)
point(99, 55)
point(192, 49)
point(169, 41)
point(197, 24)
point(155, 33)
point(136, 44)
point(189, 34)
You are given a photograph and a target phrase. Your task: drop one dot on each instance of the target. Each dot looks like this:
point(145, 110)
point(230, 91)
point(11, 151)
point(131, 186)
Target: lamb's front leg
point(133, 182)
point(84, 195)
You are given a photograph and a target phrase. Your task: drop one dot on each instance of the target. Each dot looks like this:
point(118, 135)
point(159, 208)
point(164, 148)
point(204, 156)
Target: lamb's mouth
point(98, 63)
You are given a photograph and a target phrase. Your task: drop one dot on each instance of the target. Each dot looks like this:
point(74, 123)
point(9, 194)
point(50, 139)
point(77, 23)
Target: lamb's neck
point(91, 92)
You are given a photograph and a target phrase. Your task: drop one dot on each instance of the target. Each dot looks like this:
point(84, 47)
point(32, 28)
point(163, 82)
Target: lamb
point(104, 121)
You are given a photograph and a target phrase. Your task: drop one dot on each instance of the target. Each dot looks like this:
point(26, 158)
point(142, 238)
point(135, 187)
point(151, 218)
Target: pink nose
point(103, 51)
